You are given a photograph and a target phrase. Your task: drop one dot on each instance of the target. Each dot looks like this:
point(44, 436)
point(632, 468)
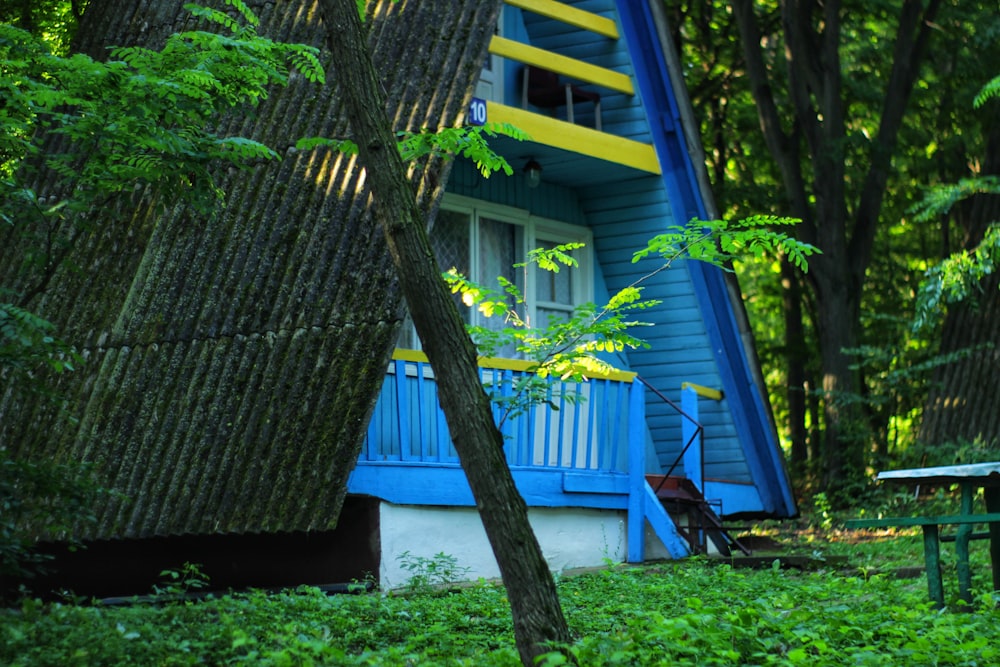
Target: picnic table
point(969, 478)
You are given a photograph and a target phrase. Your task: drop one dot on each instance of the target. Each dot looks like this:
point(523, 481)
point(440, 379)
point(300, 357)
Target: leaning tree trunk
point(539, 625)
point(962, 404)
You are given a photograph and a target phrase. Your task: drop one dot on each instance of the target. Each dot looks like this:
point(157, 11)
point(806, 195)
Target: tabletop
point(984, 474)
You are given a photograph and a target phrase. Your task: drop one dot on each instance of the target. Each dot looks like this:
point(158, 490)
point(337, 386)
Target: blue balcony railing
point(584, 426)
point(588, 452)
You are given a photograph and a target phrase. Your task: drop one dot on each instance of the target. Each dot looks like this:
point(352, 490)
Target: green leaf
point(989, 91)
point(345, 146)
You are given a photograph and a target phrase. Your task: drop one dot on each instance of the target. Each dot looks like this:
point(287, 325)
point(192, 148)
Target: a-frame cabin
point(613, 160)
point(226, 380)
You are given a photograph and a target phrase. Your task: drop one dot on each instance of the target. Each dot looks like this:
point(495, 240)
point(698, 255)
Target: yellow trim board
point(564, 13)
point(570, 67)
point(412, 356)
point(415, 356)
point(703, 391)
point(576, 138)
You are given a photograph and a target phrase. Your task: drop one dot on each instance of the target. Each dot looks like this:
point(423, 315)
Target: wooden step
point(680, 496)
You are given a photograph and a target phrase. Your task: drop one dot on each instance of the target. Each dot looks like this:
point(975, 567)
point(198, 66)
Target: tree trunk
point(843, 439)
point(539, 625)
point(795, 357)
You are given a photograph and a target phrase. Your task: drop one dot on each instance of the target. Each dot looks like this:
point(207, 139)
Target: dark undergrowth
point(857, 610)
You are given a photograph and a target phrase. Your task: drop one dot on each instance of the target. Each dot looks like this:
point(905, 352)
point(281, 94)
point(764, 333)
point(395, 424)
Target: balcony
point(588, 452)
point(585, 52)
point(584, 426)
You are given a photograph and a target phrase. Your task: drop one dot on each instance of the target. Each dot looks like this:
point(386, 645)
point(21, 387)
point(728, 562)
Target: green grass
point(692, 612)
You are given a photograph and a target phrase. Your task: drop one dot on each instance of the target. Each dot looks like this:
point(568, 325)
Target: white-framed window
point(483, 241)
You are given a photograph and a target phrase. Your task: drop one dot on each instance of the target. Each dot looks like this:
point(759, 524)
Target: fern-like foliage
point(145, 116)
point(142, 122)
point(345, 146)
point(720, 242)
point(568, 348)
point(469, 141)
point(27, 342)
point(956, 279)
point(988, 92)
point(939, 200)
point(577, 346)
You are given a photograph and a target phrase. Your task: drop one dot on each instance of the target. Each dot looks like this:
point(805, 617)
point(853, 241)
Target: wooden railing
point(582, 425)
point(583, 453)
point(547, 130)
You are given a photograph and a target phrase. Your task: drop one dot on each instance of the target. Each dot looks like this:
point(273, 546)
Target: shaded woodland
point(847, 115)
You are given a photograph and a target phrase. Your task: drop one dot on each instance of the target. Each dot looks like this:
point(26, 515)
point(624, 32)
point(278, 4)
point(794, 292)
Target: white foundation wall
point(569, 537)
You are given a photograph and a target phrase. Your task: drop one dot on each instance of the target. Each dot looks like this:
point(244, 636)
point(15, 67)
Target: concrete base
point(569, 537)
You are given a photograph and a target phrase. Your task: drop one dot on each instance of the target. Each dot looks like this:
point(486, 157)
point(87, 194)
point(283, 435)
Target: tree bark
point(539, 625)
point(795, 356)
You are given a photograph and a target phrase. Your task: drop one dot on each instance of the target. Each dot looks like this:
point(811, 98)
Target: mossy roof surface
point(232, 363)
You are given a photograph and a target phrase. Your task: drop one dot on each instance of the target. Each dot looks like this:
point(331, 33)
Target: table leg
point(992, 495)
point(932, 561)
point(962, 547)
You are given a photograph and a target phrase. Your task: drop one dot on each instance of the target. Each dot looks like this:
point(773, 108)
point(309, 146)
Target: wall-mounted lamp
point(533, 173)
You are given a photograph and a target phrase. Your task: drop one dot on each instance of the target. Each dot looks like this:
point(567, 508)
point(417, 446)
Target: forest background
point(859, 118)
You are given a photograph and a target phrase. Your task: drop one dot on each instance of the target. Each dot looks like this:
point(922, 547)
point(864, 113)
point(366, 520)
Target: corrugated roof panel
point(233, 362)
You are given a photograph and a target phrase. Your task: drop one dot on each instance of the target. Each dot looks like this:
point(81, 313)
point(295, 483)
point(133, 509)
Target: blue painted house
point(658, 454)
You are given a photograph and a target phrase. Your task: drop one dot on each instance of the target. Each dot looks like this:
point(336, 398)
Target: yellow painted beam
point(414, 356)
point(564, 13)
point(576, 138)
point(703, 391)
point(570, 67)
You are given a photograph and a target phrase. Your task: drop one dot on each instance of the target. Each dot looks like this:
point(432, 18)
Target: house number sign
point(477, 111)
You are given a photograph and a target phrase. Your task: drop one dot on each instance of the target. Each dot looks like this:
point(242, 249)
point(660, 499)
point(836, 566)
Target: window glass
point(482, 247)
point(555, 287)
point(555, 293)
point(450, 240)
point(499, 250)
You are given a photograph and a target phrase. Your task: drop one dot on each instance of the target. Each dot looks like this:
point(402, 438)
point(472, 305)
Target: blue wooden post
point(402, 410)
point(690, 430)
point(422, 414)
point(636, 474)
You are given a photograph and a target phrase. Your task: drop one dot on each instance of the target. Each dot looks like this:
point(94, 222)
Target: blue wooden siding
point(623, 217)
point(546, 201)
point(624, 211)
point(583, 427)
point(680, 350)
